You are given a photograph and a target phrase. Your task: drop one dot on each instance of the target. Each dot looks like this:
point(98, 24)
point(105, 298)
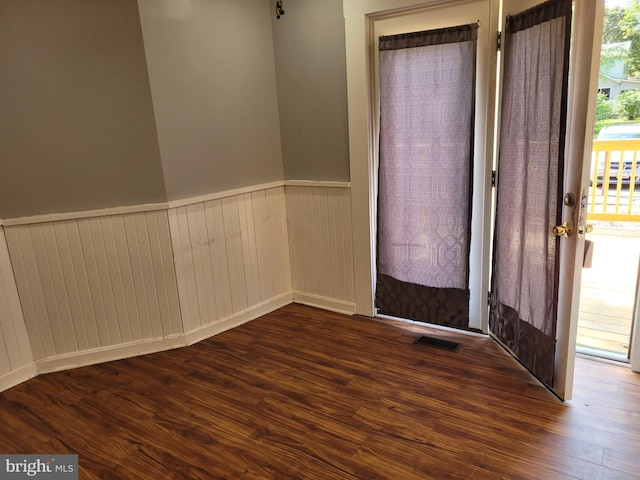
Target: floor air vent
point(438, 343)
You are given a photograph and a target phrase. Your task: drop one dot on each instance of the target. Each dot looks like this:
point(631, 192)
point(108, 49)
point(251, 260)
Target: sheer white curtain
point(529, 157)
point(530, 172)
point(427, 102)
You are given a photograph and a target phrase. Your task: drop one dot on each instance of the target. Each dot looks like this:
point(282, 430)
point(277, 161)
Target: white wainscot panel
point(232, 259)
point(320, 240)
point(96, 289)
point(16, 359)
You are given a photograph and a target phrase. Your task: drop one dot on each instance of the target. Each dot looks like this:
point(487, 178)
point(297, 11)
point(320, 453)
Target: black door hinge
point(489, 298)
point(493, 178)
point(499, 41)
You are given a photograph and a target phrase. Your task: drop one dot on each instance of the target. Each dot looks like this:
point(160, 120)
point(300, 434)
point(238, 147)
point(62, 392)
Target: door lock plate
point(583, 229)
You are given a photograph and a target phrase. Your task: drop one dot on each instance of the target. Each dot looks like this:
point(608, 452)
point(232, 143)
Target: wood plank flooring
point(306, 394)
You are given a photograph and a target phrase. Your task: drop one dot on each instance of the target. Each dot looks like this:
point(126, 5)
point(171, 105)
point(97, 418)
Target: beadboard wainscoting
point(321, 247)
point(96, 288)
point(86, 287)
point(232, 258)
point(16, 359)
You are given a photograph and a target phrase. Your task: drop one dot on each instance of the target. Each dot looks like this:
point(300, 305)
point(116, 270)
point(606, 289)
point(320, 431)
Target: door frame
point(634, 334)
point(360, 19)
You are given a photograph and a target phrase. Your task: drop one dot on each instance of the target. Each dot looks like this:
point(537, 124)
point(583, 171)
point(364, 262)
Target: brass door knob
point(563, 230)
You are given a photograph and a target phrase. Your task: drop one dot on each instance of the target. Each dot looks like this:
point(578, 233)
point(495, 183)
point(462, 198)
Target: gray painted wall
point(77, 129)
point(213, 83)
point(309, 46)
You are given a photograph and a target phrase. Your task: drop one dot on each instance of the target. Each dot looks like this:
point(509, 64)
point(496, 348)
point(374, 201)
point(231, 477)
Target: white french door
point(446, 17)
point(365, 22)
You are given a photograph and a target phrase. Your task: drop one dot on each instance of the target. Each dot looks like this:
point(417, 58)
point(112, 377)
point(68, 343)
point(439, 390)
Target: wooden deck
point(608, 289)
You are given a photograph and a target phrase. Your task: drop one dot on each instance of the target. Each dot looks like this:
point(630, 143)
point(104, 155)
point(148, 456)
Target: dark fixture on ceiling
point(279, 9)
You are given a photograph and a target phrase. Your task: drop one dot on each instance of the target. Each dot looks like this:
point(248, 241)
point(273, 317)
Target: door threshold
point(602, 355)
point(472, 333)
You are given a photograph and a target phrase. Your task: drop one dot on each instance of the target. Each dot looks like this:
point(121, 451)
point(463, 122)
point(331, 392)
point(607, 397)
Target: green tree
point(620, 25)
point(603, 108)
point(604, 113)
point(630, 28)
point(611, 30)
point(628, 104)
point(610, 53)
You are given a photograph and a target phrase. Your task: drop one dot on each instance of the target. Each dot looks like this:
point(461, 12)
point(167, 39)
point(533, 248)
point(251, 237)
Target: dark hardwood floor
point(307, 394)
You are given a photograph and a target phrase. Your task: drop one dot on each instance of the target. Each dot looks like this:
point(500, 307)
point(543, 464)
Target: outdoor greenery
point(627, 105)
point(621, 24)
point(604, 111)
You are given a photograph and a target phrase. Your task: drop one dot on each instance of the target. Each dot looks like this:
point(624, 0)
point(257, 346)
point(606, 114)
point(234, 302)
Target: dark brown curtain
point(427, 102)
point(523, 312)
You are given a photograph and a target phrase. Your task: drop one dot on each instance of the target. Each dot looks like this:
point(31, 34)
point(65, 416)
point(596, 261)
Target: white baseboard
point(133, 349)
point(15, 377)
point(244, 316)
point(109, 354)
point(325, 303)
point(119, 352)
